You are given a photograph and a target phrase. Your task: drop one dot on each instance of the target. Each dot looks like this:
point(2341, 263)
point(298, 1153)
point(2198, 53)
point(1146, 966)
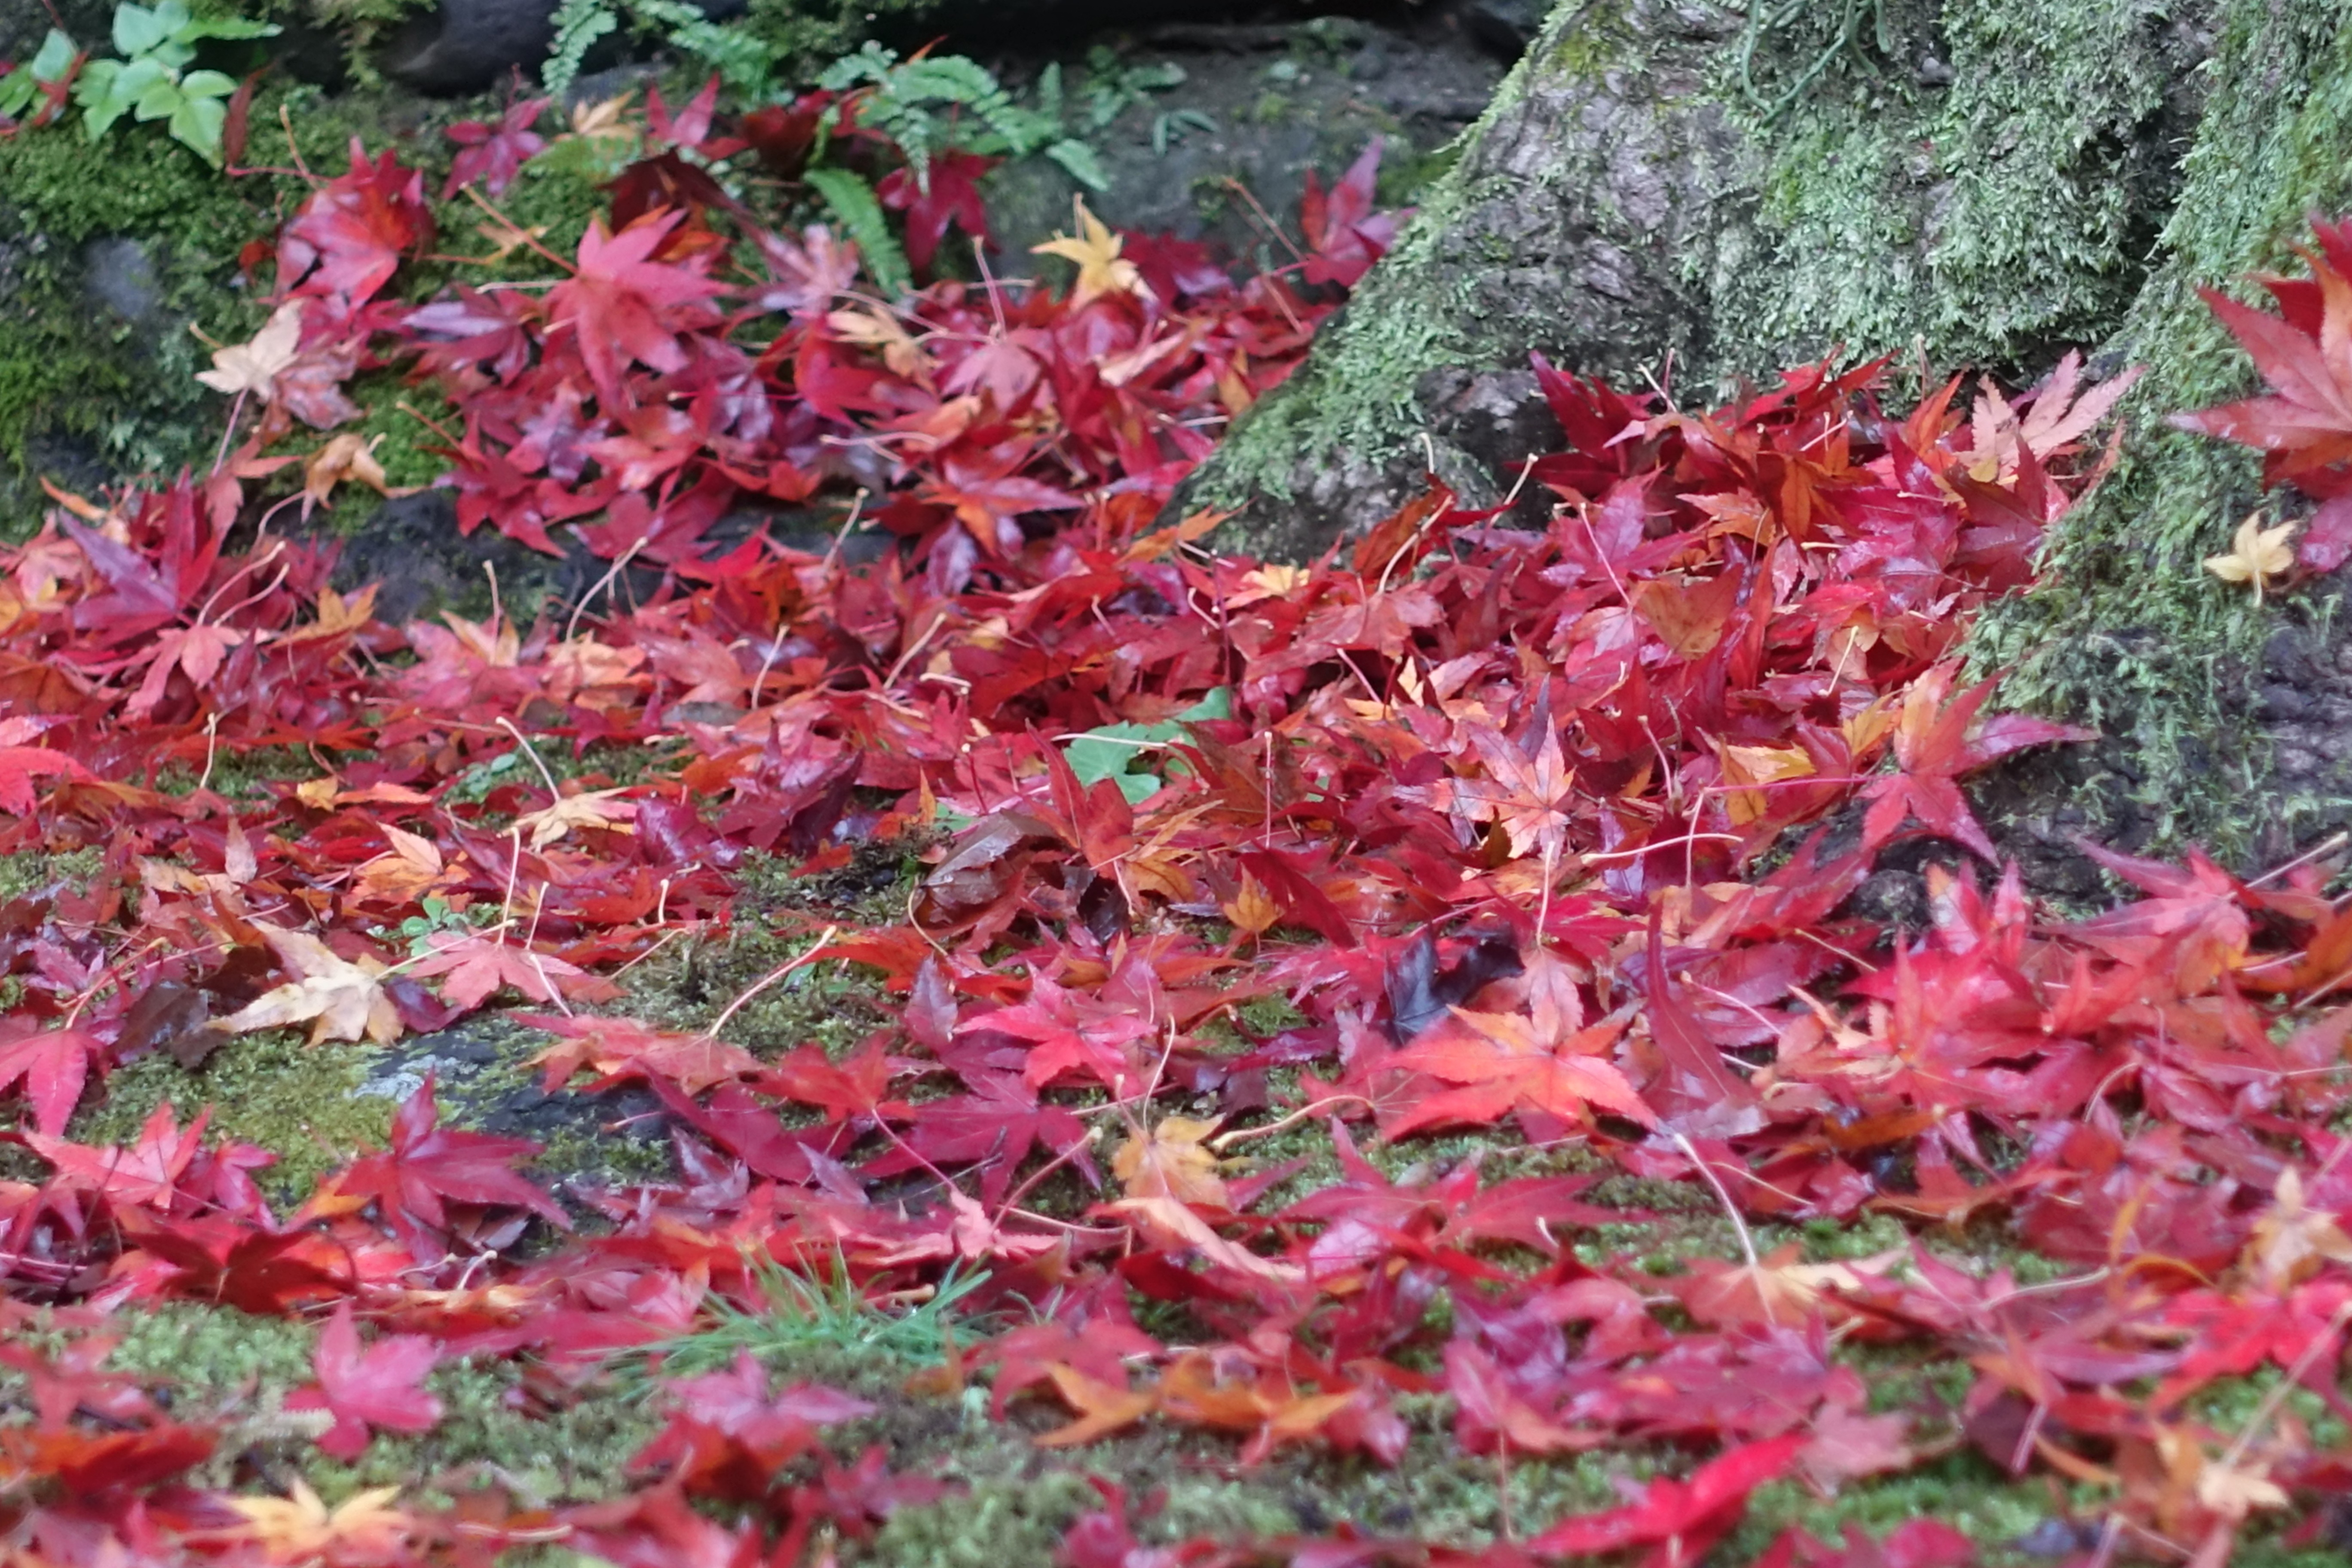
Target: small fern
point(858, 211)
point(922, 105)
point(742, 61)
point(579, 23)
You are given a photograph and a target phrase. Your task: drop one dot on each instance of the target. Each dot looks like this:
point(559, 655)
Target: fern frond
point(578, 25)
point(860, 212)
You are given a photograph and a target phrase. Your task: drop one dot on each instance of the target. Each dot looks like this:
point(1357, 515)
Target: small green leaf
point(196, 124)
point(55, 59)
point(162, 98)
point(1080, 162)
point(207, 84)
point(853, 202)
point(138, 30)
point(100, 93)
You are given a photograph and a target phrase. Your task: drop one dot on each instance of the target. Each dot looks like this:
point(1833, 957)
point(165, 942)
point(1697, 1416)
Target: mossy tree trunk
point(1692, 194)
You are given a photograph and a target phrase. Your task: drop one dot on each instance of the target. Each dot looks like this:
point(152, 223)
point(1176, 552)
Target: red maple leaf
point(21, 763)
point(477, 965)
point(1072, 1032)
point(1680, 1520)
point(348, 239)
point(946, 192)
point(1938, 741)
point(622, 306)
point(994, 1126)
point(1545, 1061)
point(2305, 425)
point(144, 1174)
point(428, 1163)
point(495, 154)
point(52, 1065)
point(1344, 232)
point(378, 1386)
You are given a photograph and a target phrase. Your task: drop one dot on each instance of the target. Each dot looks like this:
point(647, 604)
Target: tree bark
point(1686, 193)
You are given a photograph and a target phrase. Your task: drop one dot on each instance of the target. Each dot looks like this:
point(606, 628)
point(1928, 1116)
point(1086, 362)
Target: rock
point(25, 22)
point(120, 276)
point(1504, 26)
point(469, 45)
point(1279, 99)
point(411, 549)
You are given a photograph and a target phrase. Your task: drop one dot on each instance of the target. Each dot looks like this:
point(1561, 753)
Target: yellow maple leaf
point(1172, 1164)
point(301, 1529)
point(2291, 1240)
point(347, 458)
point(589, 808)
point(1096, 249)
point(1756, 765)
point(339, 999)
point(2255, 553)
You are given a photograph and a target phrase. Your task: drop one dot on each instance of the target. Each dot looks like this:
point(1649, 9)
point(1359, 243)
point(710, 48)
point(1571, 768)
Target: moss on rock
point(2126, 630)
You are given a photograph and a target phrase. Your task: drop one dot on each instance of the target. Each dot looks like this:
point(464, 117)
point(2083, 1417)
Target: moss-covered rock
point(1681, 193)
point(1690, 195)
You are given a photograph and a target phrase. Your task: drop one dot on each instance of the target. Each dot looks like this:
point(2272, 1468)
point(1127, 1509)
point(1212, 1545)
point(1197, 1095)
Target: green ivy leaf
point(55, 59)
point(139, 31)
point(197, 124)
point(1114, 751)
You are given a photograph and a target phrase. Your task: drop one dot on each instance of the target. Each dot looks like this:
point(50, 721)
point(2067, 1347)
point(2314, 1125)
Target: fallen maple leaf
point(51, 1064)
point(476, 965)
point(376, 1386)
point(2291, 1240)
point(599, 808)
point(1683, 1520)
point(339, 999)
point(299, 1528)
point(2255, 554)
point(20, 763)
point(344, 459)
point(255, 366)
point(1096, 249)
point(429, 1163)
point(1170, 1163)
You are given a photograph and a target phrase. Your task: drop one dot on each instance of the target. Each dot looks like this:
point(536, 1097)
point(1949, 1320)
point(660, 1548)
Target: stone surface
point(1279, 99)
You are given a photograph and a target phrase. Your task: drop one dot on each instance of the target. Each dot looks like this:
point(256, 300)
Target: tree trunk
point(1681, 193)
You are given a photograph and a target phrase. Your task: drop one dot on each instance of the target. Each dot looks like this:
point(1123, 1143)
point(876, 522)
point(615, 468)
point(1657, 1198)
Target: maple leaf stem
point(228, 429)
point(620, 564)
point(769, 979)
point(1029, 1184)
point(1224, 1141)
point(212, 749)
point(2326, 846)
point(1641, 849)
point(529, 750)
point(1731, 1210)
point(511, 227)
point(427, 421)
point(1551, 875)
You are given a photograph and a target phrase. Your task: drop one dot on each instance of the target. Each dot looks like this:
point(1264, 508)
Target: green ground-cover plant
point(153, 75)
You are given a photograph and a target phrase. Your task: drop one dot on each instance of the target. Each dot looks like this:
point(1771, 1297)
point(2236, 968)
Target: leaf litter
point(1489, 809)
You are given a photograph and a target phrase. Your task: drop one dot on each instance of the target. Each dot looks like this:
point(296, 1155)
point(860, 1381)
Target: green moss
point(275, 1090)
point(22, 875)
point(217, 1360)
point(2127, 631)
